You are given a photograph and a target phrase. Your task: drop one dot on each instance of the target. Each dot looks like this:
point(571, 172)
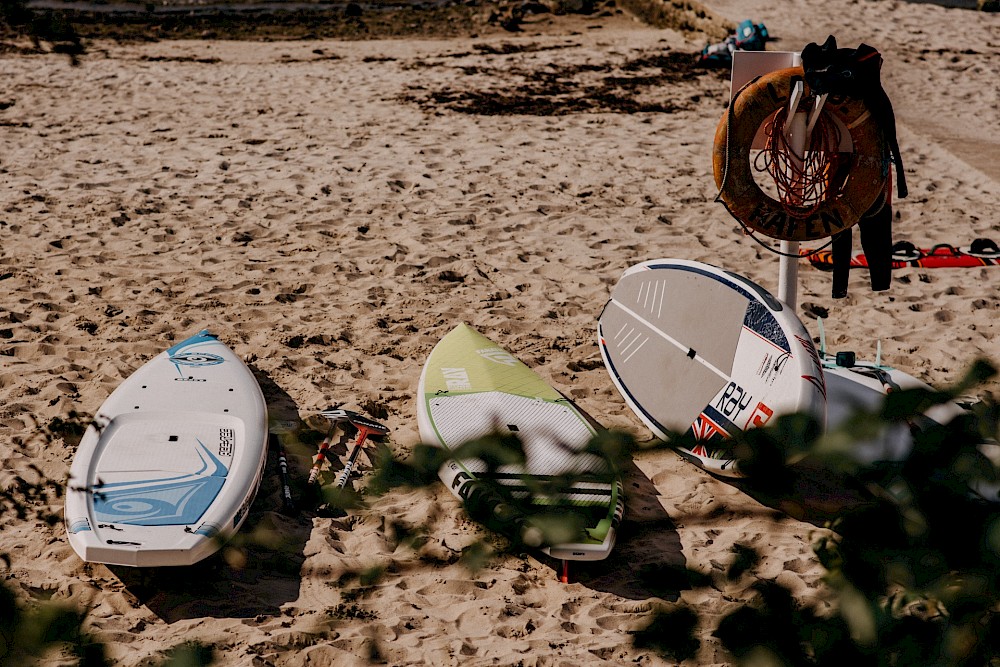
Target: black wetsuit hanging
point(855, 73)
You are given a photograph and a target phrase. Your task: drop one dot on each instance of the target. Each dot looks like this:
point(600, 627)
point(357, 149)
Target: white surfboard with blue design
point(695, 349)
point(170, 466)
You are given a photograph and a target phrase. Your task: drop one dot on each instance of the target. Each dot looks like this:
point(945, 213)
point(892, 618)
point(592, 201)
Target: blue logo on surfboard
point(182, 354)
point(196, 359)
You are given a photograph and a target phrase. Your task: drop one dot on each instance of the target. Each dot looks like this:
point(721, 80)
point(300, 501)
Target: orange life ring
point(749, 109)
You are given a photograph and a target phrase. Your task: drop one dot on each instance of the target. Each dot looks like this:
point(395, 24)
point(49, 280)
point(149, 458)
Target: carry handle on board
point(366, 427)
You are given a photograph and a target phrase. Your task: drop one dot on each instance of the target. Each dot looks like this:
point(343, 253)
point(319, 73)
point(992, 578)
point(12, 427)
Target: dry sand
point(301, 201)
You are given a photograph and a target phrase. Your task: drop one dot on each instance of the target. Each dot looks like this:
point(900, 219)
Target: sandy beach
point(330, 209)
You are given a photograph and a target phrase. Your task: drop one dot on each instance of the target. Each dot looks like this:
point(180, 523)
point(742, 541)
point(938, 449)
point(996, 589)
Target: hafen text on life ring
point(843, 205)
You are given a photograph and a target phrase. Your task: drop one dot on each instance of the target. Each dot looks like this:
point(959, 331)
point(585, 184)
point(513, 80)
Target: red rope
point(803, 182)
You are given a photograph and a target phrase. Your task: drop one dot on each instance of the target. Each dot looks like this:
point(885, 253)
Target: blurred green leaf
point(344, 498)
point(915, 570)
point(554, 527)
point(477, 556)
point(665, 580)
point(496, 450)
point(418, 471)
point(371, 576)
point(616, 447)
point(190, 654)
point(744, 560)
point(981, 371)
point(905, 404)
point(671, 633)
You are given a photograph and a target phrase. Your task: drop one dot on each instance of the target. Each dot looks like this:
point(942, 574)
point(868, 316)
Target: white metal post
point(788, 263)
point(798, 127)
point(746, 66)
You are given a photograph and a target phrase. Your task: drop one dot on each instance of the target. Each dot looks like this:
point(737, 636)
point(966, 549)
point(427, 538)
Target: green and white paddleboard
point(469, 388)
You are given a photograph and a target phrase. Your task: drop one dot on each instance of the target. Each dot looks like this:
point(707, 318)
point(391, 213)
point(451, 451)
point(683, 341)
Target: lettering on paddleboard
point(733, 401)
point(456, 379)
point(196, 359)
point(249, 501)
point(460, 483)
point(496, 355)
point(227, 441)
point(190, 379)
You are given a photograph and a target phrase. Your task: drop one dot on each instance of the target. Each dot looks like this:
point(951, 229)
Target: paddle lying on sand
point(365, 427)
point(287, 503)
point(324, 447)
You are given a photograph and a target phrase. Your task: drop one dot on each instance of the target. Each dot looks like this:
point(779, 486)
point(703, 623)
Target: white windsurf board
point(863, 386)
point(695, 349)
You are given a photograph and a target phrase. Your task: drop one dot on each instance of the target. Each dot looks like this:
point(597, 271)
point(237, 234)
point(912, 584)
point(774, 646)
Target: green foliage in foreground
point(29, 631)
point(913, 569)
point(26, 633)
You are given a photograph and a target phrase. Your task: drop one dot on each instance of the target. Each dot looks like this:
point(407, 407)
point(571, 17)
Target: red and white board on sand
point(696, 349)
point(906, 255)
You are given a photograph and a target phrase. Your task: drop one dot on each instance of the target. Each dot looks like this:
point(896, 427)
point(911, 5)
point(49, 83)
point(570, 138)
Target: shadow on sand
point(808, 491)
point(647, 560)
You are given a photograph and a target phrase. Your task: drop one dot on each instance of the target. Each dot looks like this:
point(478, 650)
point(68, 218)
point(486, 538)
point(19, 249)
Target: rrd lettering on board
point(456, 379)
point(733, 401)
point(227, 441)
point(460, 483)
